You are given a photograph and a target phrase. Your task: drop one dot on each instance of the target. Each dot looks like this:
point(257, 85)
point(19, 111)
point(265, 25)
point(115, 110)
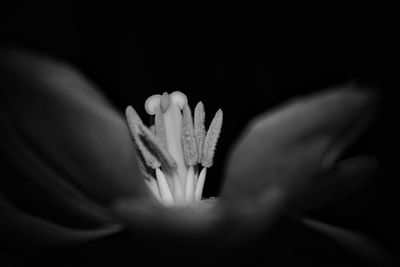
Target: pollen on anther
point(211, 139)
point(134, 123)
point(157, 149)
point(188, 139)
point(199, 128)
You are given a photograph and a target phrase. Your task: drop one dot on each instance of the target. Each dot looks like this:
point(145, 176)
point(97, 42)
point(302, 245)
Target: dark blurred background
point(241, 61)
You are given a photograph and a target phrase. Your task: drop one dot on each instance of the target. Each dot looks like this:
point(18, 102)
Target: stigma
point(174, 152)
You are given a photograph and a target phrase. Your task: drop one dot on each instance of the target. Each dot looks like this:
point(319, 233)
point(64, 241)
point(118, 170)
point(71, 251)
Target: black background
point(243, 61)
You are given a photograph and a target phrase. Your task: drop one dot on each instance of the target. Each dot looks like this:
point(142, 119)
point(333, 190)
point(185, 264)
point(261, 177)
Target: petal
point(193, 236)
point(320, 244)
point(61, 119)
point(210, 224)
point(359, 245)
point(29, 232)
point(294, 145)
point(344, 180)
point(65, 150)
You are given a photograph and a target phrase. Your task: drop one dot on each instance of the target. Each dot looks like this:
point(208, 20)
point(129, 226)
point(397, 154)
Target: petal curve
point(294, 145)
point(28, 232)
point(60, 116)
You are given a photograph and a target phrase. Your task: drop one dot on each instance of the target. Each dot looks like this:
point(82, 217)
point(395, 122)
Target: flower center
point(175, 152)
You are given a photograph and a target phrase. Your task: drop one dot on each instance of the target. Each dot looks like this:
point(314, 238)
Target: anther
point(199, 129)
point(152, 103)
point(188, 139)
point(179, 99)
point(134, 123)
point(211, 139)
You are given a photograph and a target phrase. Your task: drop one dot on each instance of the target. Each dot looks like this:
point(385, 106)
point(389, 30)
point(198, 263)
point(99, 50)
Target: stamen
point(179, 193)
point(151, 103)
point(200, 184)
point(156, 148)
point(152, 184)
point(179, 99)
point(211, 139)
point(190, 185)
point(159, 125)
point(165, 193)
point(199, 129)
point(153, 129)
point(146, 171)
point(196, 178)
point(133, 122)
point(188, 139)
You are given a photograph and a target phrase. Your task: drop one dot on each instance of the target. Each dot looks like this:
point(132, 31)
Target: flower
point(71, 172)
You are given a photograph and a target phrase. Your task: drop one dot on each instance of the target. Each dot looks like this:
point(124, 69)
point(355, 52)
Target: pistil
point(173, 124)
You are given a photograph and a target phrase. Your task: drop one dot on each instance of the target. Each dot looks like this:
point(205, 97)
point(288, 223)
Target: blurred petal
point(362, 248)
point(295, 145)
point(59, 117)
point(65, 151)
point(211, 223)
point(28, 232)
point(345, 179)
point(308, 242)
